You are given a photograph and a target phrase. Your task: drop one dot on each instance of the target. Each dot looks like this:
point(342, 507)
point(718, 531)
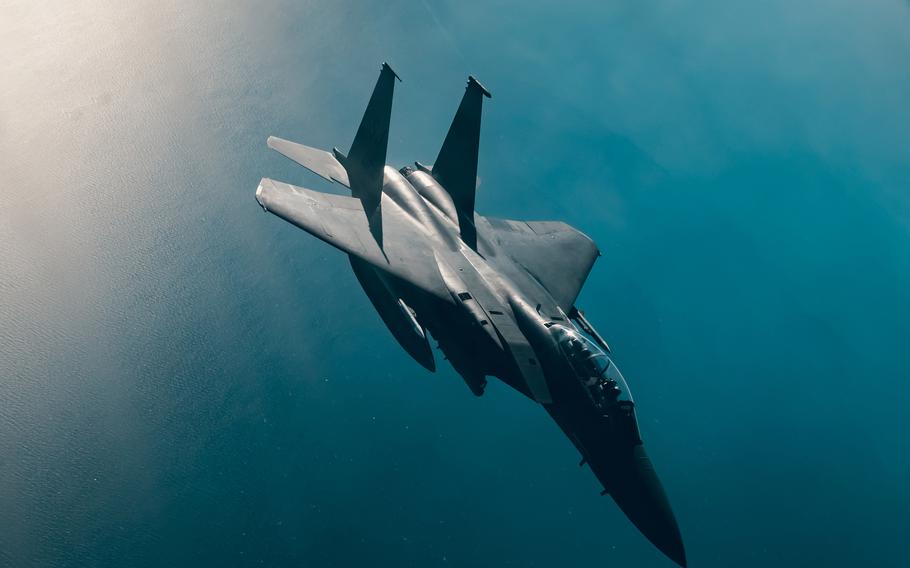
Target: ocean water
point(185, 381)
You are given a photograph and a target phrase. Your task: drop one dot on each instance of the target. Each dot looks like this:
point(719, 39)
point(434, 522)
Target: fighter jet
point(498, 295)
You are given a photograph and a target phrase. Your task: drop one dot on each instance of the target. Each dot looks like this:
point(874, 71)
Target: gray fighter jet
point(497, 295)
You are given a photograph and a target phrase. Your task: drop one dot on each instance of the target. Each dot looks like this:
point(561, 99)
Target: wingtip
point(259, 193)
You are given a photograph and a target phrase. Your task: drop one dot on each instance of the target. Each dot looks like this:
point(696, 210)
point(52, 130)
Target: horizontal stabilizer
point(319, 162)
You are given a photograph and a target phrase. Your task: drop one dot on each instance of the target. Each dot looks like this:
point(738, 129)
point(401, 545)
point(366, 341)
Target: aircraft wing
point(556, 254)
point(341, 222)
point(336, 219)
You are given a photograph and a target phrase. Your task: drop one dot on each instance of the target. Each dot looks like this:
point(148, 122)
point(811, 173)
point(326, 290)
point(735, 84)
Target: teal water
point(186, 381)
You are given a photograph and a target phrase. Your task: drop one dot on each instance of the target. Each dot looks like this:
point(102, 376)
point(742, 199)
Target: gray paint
point(496, 294)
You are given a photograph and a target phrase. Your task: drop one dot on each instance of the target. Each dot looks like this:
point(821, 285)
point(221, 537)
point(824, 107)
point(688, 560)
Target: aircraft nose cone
point(640, 495)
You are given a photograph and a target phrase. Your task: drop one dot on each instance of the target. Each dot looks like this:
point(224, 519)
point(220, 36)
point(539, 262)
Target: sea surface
point(186, 381)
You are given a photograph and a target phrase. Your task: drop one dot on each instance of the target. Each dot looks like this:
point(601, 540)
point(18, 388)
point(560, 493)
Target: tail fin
point(456, 166)
point(366, 160)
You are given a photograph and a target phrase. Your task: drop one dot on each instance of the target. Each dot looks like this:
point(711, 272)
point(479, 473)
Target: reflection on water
point(164, 401)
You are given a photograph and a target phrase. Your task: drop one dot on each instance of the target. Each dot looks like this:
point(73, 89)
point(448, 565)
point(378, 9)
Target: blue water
point(187, 381)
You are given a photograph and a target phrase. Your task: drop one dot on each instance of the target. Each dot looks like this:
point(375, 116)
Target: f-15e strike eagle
point(498, 295)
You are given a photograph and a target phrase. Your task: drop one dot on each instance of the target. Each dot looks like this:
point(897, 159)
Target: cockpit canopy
point(592, 366)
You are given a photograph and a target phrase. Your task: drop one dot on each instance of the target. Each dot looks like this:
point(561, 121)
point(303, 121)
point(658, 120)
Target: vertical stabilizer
point(366, 160)
point(456, 166)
